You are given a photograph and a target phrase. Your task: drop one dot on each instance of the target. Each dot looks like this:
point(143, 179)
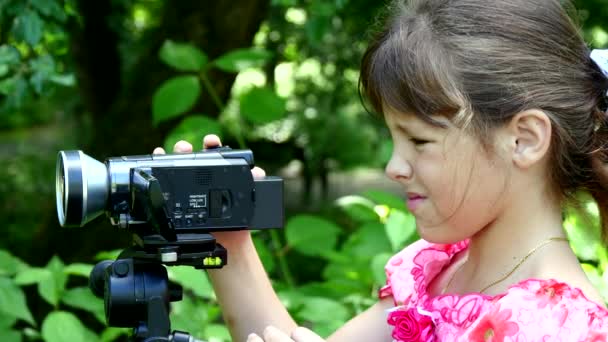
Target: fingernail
point(252, 337)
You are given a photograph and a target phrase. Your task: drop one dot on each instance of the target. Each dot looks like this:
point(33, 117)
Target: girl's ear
point(529, 135)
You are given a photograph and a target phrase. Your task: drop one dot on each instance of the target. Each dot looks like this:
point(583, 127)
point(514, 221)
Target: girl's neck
point(527, 222)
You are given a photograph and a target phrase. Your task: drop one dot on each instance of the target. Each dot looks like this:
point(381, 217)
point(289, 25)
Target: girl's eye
point(418, 142)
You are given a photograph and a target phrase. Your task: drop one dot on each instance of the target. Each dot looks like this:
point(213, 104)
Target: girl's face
point(454, 188)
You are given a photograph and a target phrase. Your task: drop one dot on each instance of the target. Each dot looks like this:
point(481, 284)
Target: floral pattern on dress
point(531, 310)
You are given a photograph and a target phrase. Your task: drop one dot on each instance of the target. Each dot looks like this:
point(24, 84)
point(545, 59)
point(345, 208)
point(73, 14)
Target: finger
point(304, 335)
point(258, 173)
point(254, 338)
point(211, 140)
point(158, 150)
point(182, 147)
point(272, 334)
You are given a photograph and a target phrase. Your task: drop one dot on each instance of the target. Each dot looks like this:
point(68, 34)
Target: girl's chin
point(437, 235)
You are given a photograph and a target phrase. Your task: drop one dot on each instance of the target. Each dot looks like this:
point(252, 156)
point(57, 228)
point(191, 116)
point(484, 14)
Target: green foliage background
point(117, 77)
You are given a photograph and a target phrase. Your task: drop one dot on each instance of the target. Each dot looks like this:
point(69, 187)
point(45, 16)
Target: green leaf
point(10, 336)
point(192, 279)
point(27, 27)
point(368, 241)
point(174, 97)
point(3, 70)
point(49, 8)
point(9, 55)
point(262, 105)
point(52, 288)
point(242, 59)
point(316, 309)
point(78, 269)
point(377, 267)
point(358, 208)
point(183, 57)
point(16, 90)
point(108, 255)
point(188, 315)
point(10, 264)
point(193, 128)
point(32, 275)
point(217, 333)
point(264, 254)
point(61, 326)
point(83, 298)
point(6, 321)
point(311, 235)
point(111, 334)
point(66, 80)
point(400, 228)
point(42, 68)
point(12, 301)
point(384, 198)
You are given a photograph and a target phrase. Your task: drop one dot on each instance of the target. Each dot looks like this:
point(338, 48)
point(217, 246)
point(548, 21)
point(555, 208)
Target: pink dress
point(532, 310)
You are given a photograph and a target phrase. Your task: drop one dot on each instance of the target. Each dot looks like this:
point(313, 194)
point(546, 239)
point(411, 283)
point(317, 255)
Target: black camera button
point(121, 268)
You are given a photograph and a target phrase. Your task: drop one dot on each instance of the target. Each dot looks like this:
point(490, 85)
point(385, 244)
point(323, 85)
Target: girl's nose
point(399, 169)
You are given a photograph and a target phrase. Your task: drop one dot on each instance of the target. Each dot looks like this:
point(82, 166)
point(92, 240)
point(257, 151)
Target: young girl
point(498, 117)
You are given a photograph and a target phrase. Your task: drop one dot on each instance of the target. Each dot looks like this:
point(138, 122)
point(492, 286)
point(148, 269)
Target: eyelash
point(418, 141)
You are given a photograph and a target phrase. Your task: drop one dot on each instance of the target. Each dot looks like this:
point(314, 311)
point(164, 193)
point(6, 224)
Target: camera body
point(170, 194)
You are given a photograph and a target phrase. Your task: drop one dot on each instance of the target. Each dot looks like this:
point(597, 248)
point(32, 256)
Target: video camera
point(172, 203)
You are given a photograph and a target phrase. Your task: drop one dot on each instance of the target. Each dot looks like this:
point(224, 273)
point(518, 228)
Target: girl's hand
point(272, 334)
point(228, 239)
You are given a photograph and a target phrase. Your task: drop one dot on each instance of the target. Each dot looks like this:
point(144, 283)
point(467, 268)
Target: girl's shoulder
point(410, 271)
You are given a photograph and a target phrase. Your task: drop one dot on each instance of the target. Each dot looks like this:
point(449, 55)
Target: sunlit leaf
point(377, 266)
point(111, 334)
point(108, 255)
point(175, 97)
point(181, 56)
point(192, 279)
point(262, 105)
point(9, 55)
point(315, 309)
point(400, 228)
point(66, 80)
point(32, 275)
point(188, 315)
point(242, 59)
point(10, 335)
point(217, 333)
point(27, 26)
point(358, 208)
point(83, 270)
point(368, 241)
point(12, 301)
point(51, 289)
point(50, 8)
point(10, 264)
point(386, 198)
point(264, 254)
point(61, 326)
point(311, 235)
point(83, 298)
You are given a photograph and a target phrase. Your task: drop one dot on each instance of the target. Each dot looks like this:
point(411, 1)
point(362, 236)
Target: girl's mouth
point(414, 200)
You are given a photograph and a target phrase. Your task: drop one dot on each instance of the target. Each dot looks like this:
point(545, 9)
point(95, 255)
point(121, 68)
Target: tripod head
point(136, 289)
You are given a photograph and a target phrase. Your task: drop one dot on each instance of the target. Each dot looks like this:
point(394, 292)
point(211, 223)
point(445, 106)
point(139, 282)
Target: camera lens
point(81, 187)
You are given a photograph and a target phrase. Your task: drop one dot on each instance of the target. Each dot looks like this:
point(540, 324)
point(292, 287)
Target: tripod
point(135, 287)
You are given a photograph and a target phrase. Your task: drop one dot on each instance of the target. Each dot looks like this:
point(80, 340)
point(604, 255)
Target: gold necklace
point(545, 242)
